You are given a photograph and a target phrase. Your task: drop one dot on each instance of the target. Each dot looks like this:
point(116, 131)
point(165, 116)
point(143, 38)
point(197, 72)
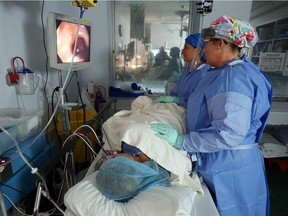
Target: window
point(148, 40)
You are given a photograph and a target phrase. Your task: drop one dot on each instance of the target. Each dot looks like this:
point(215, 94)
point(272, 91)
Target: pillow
point(84, 199)
point(132, 127)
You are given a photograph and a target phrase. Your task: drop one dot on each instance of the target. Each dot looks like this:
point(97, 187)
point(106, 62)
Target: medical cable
point(81, 136)
point(52, 211)
point(63, 179)
point(37, 76)
point(54, 119)
point(90, 129)
point(46, 194)
point(107, 138)
point(105, 134)
point(45, 48)
point(81, 99)
point(86, 140)
point(97, 138)
point(14, 206)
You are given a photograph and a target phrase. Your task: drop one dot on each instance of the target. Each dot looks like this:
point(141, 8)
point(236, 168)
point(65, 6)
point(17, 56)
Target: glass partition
point(149, 37)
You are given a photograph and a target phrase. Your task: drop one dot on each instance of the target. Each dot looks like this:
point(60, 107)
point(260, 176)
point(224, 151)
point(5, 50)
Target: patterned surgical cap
point(235, 31)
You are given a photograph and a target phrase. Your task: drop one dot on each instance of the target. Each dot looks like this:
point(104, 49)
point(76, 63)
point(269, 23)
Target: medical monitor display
point(62, 34)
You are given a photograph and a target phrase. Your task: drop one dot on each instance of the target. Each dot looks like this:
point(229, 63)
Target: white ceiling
point(166, 11)
point(169, 11)
point(261, 7)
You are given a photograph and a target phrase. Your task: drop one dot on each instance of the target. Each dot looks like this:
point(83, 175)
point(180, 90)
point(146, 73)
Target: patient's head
point(120, 178)
point(117, 179)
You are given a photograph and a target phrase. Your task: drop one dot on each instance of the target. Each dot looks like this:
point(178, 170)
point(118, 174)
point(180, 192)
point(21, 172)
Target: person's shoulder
point(242, 64)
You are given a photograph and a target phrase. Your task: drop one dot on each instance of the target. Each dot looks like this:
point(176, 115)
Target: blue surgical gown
point(187, 82)
point(228, 109)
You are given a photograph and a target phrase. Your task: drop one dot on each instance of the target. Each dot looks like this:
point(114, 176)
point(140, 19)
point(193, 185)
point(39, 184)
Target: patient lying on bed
point(133, 127)
point(168, 165)
point(122, 169)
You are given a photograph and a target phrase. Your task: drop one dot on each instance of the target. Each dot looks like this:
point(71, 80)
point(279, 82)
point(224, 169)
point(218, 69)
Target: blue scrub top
point(187, 82)
point(231, 103)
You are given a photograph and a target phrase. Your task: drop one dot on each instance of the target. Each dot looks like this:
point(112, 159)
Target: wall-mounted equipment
point(205, 6)
point(84, 3)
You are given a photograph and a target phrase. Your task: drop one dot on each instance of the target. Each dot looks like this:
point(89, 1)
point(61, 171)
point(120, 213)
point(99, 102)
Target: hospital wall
point(22, 35)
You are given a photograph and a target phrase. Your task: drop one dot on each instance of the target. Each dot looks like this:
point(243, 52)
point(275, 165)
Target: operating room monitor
point(62, 33)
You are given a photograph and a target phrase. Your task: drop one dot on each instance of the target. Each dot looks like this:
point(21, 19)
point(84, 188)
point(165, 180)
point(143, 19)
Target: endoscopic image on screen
point(66, 38)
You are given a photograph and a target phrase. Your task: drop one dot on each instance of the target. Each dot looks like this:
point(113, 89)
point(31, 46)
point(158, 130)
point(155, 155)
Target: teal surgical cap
point(193, 40)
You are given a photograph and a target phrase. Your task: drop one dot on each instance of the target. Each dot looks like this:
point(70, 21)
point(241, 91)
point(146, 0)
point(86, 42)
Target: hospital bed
point(85, 199)
point(186, 196)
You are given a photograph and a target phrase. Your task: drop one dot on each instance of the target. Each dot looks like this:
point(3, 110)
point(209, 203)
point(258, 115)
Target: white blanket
point(132, 127)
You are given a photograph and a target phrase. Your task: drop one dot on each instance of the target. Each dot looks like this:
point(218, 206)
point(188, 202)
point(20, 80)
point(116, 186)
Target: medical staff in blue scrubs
point(193, 53)
point(226, 116)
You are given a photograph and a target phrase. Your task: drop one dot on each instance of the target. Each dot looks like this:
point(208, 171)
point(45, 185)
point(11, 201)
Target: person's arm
point(231, 115)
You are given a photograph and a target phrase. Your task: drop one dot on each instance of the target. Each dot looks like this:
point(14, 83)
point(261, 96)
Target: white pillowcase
point(84, 199)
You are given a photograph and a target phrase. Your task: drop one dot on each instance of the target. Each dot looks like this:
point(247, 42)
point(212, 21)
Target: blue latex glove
point(166, 99)
point(169, 133)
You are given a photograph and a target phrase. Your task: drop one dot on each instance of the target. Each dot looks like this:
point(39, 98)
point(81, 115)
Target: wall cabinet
point(273, 37)
point(271, 55)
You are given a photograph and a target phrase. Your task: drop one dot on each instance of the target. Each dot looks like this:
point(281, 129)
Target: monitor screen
point(62, 34)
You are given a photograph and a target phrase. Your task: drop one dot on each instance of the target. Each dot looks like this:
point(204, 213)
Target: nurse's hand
point(169, 133)
point(166, 99)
